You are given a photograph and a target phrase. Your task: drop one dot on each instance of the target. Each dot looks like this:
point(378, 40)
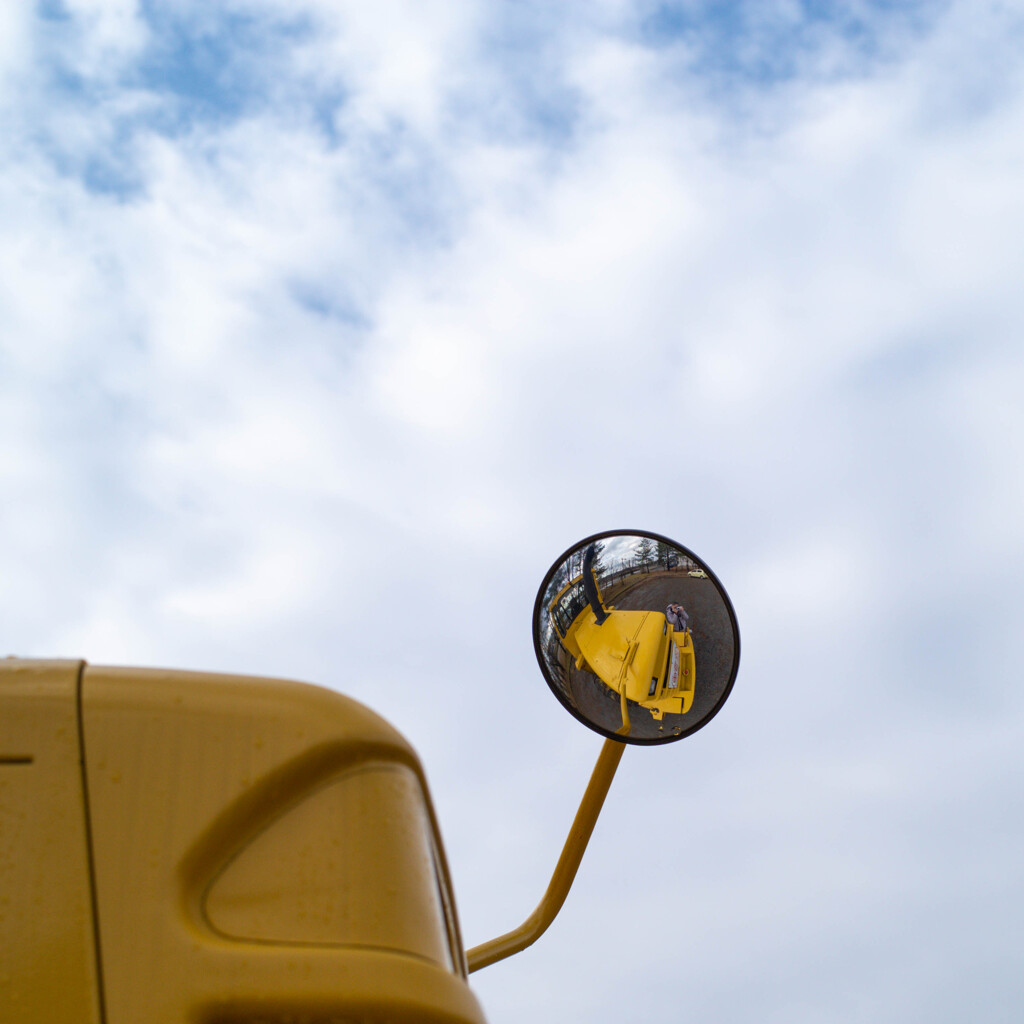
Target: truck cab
point(192, 847)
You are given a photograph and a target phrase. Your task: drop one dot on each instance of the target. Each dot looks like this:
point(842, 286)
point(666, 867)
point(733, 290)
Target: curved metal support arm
point(626, 724)
point(565, 871)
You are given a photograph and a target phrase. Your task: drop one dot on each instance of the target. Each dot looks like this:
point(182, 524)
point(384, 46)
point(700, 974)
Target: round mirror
point(636, 637)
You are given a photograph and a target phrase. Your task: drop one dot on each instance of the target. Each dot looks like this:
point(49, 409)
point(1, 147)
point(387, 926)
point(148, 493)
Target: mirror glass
point(636, 637)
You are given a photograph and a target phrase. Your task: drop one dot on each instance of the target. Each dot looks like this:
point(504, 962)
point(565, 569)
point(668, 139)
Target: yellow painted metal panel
point(351, 865)
point(187, 774)
point(48, 971)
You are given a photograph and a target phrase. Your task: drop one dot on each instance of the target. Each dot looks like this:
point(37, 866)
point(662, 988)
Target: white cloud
point(15, 49)
point(108, 34)
point(298, 387)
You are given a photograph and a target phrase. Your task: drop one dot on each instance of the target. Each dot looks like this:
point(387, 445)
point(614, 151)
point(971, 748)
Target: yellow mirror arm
point(626, 725)
point(565, 871)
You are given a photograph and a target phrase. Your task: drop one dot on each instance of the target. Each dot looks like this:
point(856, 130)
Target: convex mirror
point(636, 637)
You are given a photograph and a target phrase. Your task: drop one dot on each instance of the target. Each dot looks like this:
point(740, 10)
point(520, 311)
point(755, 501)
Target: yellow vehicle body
point(209, 849)
point(636, 652)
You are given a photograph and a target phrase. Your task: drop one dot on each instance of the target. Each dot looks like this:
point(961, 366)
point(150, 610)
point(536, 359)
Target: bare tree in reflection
point(645, 553)
point(665, 554)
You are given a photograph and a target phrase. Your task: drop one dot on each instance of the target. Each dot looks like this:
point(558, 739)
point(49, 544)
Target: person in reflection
point(678, 616)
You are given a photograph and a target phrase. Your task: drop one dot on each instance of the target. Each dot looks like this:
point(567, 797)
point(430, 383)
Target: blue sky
point(309, 310)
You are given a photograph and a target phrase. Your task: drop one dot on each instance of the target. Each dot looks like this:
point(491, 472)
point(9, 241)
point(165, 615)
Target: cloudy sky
point(326, 326)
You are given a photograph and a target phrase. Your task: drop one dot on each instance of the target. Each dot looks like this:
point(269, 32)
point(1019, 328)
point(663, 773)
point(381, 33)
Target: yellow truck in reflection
point(640, 653)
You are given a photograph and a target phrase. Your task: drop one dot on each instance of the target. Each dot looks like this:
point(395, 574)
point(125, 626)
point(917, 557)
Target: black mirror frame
point(608, 734)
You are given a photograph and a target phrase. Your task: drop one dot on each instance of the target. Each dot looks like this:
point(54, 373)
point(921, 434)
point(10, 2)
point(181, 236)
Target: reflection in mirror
point(636, 637)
